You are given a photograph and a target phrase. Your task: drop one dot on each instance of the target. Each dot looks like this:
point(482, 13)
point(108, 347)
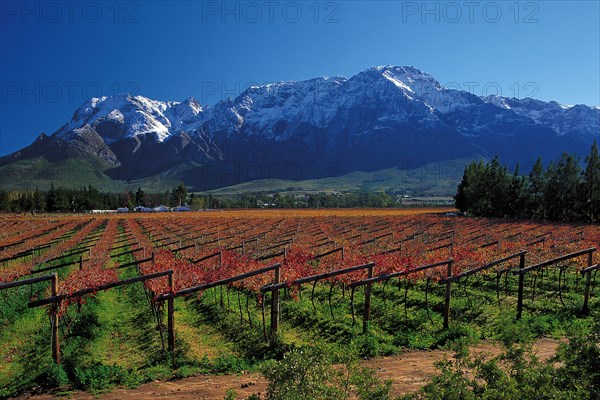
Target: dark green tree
point(166, 198)
point(517, 195)
point(476, 193)
point(498, 181)
point(94, 199)
point(591, 185)
point(140, 197)
point(567, 205)
point(26, 201)
point(181, 193)
point(550, 203)
point(536, 185)
point(39, 199)
point(130, 200)
point(4, 203)
point(52, 198)
point(58, 199)
point(460, 198)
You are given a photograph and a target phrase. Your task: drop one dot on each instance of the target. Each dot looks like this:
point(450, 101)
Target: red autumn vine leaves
point(393, 242)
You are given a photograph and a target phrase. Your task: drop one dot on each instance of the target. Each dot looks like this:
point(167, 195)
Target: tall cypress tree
point(39, 200)
point(591, 185)
point(181, 194)
point(536, 188)
point(460, 198)
point(474, 196)
point(570, 177)
point(140, 197)
point(551, 206)
point(498, 182)
point(517, 195)
point(563, 188)
point(52, 198)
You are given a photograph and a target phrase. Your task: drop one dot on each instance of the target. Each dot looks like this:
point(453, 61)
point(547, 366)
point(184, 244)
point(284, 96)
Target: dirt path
point(408, 372)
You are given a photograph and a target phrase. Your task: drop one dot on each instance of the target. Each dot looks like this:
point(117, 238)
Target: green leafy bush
point(55, 376)
point(304, 373)
point(229, 363)
point(230, 395)
point(307, 373)
point(98, 376)
point(367, 345)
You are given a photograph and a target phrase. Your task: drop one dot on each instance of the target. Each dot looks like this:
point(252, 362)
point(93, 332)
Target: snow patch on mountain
point(130, 116)
point(390, 95)
point(401, 85)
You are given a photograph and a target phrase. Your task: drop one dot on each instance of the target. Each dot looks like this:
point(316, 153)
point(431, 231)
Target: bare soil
point(408, 372)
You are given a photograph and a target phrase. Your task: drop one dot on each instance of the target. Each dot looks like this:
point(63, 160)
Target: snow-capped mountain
point(380, 118)
point(564, 119)
point(125, 116)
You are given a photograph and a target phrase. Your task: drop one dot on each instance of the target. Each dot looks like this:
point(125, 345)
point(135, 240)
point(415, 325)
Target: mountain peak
point(41, 137)
point(407, 71)
point(413, 82)
point(382, 117)
point(191, 100)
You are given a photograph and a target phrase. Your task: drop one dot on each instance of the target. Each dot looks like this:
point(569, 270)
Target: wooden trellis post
point(275, 303)
point(274, 287)
point(367, 311)
point(56, 299)
point(521, 284)
point(54, 321)
point(448, 293)
point(54, 311)
point(589, 252)
point(171, 314)
point(588, 284)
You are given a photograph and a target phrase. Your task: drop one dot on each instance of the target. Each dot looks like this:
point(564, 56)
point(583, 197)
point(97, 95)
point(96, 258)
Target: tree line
point(313, 200)
point(564, 191)
point(61, 199)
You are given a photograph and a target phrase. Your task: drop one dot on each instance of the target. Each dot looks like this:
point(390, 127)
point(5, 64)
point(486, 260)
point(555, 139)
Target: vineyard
point(123, 299)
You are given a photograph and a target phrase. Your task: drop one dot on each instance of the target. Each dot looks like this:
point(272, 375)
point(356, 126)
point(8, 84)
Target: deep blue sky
point(56, 55)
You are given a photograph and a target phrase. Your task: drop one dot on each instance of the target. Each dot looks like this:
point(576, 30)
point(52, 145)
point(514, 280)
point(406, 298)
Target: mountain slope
point(381, 118)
